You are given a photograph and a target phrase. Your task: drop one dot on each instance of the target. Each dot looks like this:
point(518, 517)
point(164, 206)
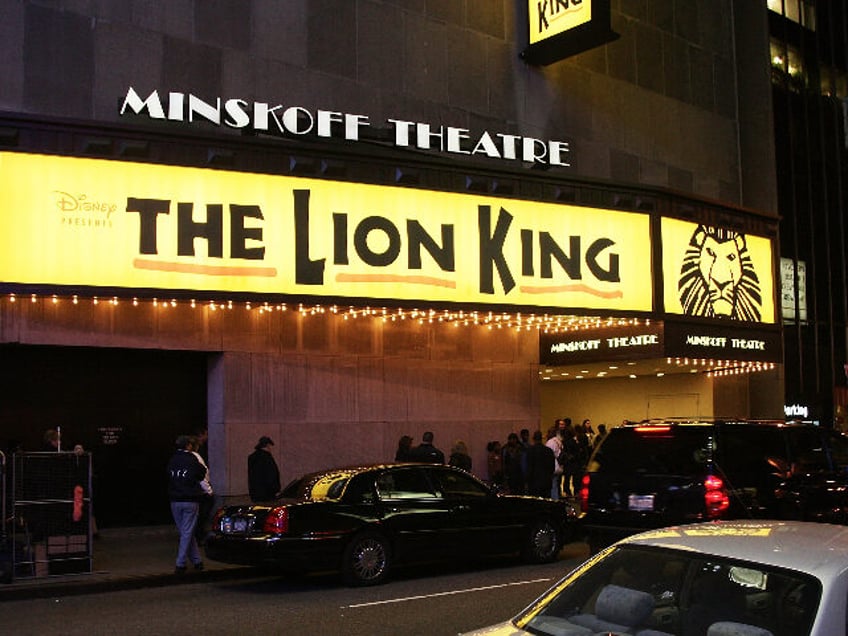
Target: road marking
point(451, 593)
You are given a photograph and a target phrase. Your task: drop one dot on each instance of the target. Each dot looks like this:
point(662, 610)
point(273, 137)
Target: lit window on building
point(787, 66)
point(834, 82)
point(801, 11)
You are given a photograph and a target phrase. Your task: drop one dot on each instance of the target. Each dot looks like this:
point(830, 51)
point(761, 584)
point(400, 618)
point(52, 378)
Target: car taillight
point(584, 493)
point(277, 521)
point(715, 496)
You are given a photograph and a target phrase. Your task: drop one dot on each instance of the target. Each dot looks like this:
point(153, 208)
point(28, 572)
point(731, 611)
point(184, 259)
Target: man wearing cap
point(263, 476)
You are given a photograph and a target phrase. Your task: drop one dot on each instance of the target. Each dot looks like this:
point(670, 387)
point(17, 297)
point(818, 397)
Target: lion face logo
point(717, 278)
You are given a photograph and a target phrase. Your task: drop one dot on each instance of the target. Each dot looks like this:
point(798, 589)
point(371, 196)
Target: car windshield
point(631, 589)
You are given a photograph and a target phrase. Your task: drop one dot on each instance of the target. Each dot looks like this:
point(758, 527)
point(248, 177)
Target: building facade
point(345, 222)
point(810, 85)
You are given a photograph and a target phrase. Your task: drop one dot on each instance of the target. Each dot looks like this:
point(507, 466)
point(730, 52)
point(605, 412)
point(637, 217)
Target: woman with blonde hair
point(459, 456)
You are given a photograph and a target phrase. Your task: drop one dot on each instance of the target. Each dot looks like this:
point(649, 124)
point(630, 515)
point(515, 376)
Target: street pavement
point(124, 558)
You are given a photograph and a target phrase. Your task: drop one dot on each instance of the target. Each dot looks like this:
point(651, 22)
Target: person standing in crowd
point(185, 474)
point(524, 440)
point(404, 449)
point(263, 475)
point(590, 432)
point(583, 436)
point(459, 456)
point(540, 467)
point(602, 432)
point(584, 443)
point(554, 442)
point(569, 458)
point(513, 454)
point(494, 462)
point(52, 441)
point(426, 452)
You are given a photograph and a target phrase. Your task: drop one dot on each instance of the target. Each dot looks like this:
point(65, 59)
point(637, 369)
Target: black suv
point(655, 474)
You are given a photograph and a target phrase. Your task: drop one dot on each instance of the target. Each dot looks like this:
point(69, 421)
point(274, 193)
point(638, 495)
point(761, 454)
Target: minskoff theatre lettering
point(375, 242)
point(576, 345)
point(616, 342)
point(642, 340)
point(723, 342)
point(296, 121)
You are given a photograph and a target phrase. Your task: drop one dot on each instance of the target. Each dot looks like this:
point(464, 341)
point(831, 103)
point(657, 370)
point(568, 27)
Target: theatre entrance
point(125, 406)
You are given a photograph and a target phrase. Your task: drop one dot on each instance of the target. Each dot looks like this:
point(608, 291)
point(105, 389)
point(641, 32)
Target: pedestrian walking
point(185, 474)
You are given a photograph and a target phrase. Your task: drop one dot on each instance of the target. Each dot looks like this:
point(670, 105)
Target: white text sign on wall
point(298, 121)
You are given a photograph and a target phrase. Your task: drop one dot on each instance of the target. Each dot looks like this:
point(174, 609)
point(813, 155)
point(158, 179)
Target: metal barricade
point(6, 567)
point(49, 530)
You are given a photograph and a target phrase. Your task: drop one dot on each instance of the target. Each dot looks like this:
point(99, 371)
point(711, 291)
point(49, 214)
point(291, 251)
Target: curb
point(80, 586)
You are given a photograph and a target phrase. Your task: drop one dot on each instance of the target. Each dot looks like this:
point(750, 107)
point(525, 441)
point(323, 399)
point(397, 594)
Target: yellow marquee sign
point(76, 222)
point(716, 273)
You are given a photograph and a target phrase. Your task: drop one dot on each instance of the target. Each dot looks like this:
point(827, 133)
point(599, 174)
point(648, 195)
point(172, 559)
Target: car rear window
point(679, 450)
point(319, 487)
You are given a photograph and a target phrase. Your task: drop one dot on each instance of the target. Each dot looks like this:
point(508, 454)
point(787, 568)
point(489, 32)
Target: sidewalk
point(124, 558)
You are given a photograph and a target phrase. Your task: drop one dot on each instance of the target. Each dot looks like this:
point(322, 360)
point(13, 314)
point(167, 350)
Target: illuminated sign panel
point(96, 223)
point(722, 342)
point(549, 17)
point(678, 339)
point(595, 345)
point(712, 272)
point(793, 297)
point(297, 121)
point(557, 29)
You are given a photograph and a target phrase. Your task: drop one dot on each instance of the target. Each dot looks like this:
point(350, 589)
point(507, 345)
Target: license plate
point(230, 525)
point(640, 503)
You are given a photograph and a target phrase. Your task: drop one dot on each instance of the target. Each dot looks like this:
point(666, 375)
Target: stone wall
point(327, 390)
point(659, 106)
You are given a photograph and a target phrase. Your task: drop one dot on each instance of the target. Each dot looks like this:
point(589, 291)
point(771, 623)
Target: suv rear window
point(676, 450)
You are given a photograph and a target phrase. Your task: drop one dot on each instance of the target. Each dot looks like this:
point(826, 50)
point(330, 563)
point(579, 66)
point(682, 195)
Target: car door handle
point(461, 508)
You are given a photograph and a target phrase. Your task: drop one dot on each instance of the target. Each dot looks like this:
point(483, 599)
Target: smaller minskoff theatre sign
point(558, 29)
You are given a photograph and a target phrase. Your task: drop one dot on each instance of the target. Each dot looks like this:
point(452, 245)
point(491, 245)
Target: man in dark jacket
point(426, 452)
point(540, 467)
point(185, 473)
point(263, 476)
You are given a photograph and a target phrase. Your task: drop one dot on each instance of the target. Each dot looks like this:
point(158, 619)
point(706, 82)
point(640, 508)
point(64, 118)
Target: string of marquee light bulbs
point(723, 368)
point(491, 320)
point(548, 323)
